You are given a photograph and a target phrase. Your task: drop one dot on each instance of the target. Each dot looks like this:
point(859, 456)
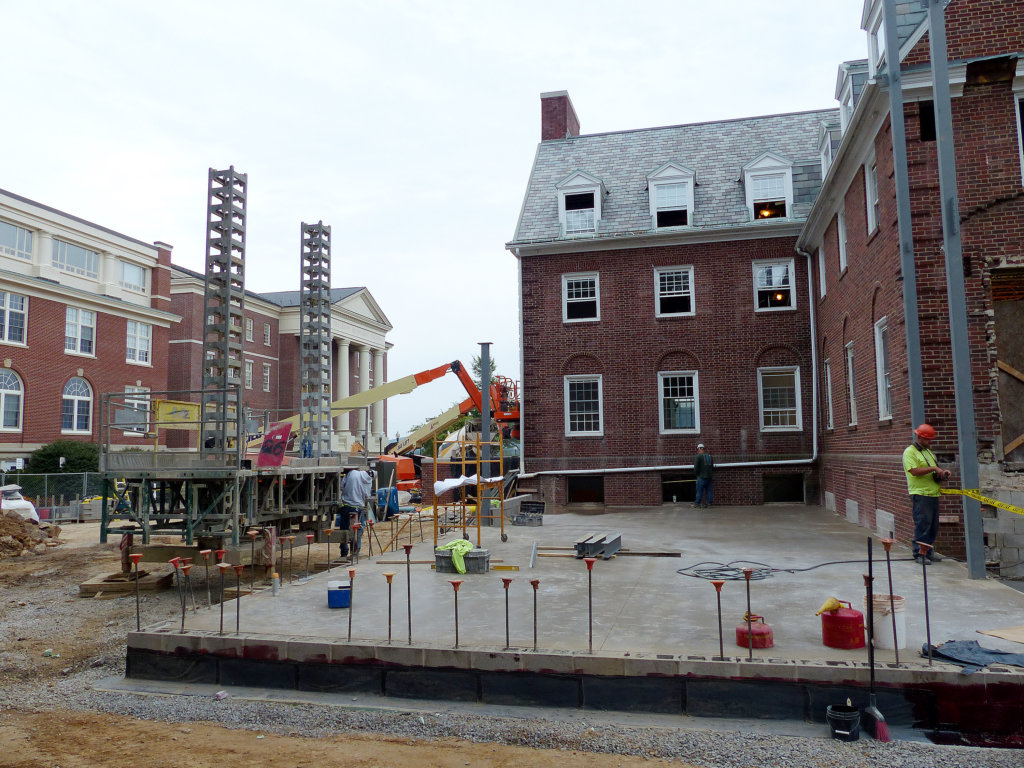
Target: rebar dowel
point(721, 638)
point(309, 545)
point(389, 576)
point(590, 601)
point(924, 549)
point(887, 543)
point(222, 567)
point(291, 559)
point(329, 531)
point(252, 564)
point(351, 599)
point(238, 599)
point(138, 610)
point(206, 562)
point(456, 583)
point(535, 583)
point(187, 570)
point(506, 581)
point(408, 584)
point(747, 572)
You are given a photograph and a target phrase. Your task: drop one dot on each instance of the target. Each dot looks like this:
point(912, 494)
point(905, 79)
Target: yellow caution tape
point(976, 494)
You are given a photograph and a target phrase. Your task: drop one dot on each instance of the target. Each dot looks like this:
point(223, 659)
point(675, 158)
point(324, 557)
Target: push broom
point(874, 723)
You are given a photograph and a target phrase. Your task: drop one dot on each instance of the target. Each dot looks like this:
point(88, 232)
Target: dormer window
point(670, 190)
point(579, 204)
point(769, 186)
point(875, 27)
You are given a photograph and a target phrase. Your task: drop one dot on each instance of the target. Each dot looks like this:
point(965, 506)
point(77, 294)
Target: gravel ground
point(39, 606)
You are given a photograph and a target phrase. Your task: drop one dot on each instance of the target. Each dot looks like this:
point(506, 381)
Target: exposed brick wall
point(629, 346)
point(977, 28)
point(557, 117)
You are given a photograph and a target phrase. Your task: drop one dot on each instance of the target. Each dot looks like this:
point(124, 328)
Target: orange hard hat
point(927, 431)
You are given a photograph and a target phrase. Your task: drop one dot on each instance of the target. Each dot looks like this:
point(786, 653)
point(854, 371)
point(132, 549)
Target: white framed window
point(583, 405)
point(841, 232)
point(670, 192)
point(74, 258)
point(679, 411)
point(581, 297)
point(266, 377)
point(876, 39)
point(266, 334)
point(768, 182)
point(773, 285)
point(822, 287)
point(133, 277)
point(829, 412)
point(140, 342)
point(248, 329)
point(851, 390)
point(673, 291)
point(778, 396)
point(80, 331)
point(846, 103)
point(579, 204)
point(825, 149)
point(76, 406)
point(10, 400)
point(248, 374)
point(1020, 132)
point(13, 317)
point(882, 369)
point(134, 418)
point(871, 194)
point(15, 241)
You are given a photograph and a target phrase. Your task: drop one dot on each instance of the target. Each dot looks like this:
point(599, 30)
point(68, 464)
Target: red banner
point(274, 445)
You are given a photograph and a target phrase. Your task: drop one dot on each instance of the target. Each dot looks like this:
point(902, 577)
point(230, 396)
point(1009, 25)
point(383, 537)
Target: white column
point(378, 407)
point(42, 253)
point(109, 276)
point(341, 375)
point(364, 384)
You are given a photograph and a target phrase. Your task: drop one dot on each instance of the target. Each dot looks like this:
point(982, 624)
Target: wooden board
point(118, 583)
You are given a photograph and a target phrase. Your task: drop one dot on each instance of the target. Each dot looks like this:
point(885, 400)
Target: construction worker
point(923, 478)
point(703, 468)
point(355, 490)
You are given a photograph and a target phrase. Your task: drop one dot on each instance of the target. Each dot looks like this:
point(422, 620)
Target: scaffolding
point(315, 325)
point(459, 514)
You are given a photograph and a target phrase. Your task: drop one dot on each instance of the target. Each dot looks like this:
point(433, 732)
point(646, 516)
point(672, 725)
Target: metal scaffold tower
point(223, 306)
point(315, 363)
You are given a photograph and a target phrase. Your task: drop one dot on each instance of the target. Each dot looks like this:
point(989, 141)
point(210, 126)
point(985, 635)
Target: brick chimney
point(557, 116)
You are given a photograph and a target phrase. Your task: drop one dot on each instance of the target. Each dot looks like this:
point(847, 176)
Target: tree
point(78, 456)
point(478, 366)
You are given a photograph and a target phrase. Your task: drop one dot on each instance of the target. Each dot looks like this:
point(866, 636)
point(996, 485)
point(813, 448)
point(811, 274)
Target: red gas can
point(760, 636)
point(843, 628)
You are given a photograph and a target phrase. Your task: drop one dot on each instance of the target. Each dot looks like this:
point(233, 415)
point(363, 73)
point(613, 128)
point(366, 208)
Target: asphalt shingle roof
point(716, 151)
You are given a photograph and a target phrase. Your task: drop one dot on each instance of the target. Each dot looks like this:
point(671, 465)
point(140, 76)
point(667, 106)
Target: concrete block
point(885, 522)
point(852, 511)
point(713, 667)
point(229, 646)
point(400, 655)
point(496, 661)
point(446, 658)
point(145, 641)
point(265, 648)
point(353, 653)
point(304, 650)
point(769, 669)
point(183, 644)
point(830, 501)
point(651, 664)
point(1013, 540)
point(550, 662)
point(606, 666)
point(996, 525)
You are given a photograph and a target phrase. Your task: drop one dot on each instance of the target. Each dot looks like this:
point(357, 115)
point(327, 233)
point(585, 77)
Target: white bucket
point(883, 621)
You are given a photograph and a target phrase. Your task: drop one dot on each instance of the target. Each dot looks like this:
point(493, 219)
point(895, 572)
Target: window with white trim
point(135, 419)
point(248, 374)
point(882, 369)
point(266, 377)
point(80, 331)
point(583, 412)
point(10, 400)
point(778, 395)
point(851, 391)
point(670, 193)
point(15, 241)
point(133, 277)
point(581, 297)
point(829, 420)
point(673, 291)
point(266, 334)
point(74, 258)
point(846, 104)
point(821, 272)
point(13, 317)
point(76, 406)
point(140, 342)
point(579, 203)
point(680, 404)
point(841, 232)
point(248, 329)
point(871, 194)
point(825, 149)
point(876, 39)
point(768, 182)
point(773, 285)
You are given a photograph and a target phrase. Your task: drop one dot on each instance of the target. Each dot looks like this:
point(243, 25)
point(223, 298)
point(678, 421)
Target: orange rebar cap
point(927, 431)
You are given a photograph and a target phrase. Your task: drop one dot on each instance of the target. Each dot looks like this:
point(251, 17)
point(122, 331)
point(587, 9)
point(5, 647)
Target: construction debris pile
point(19, 536)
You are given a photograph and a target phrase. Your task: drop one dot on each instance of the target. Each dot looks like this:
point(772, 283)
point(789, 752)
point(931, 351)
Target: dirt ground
point(47, 630)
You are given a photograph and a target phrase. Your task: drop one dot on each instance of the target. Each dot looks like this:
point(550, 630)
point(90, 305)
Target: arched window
point(10, 400)
point(76, 410)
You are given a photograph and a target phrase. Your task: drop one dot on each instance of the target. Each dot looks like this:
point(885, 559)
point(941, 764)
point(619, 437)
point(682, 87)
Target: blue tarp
point(971, 656)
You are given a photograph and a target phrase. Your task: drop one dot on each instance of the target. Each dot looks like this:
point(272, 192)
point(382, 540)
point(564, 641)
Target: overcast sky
point(409, 127)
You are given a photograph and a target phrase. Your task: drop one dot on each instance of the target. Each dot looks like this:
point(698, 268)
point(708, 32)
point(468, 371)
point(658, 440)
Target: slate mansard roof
point(715, 151)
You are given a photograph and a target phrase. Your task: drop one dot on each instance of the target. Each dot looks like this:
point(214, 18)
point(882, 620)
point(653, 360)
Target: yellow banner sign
point(176, 414)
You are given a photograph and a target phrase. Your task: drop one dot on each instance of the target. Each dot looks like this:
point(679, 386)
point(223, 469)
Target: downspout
point(677, 467)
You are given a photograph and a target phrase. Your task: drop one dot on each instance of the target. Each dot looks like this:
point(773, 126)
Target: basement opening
point(678, 487)
point(584, 489)
point(783, 488)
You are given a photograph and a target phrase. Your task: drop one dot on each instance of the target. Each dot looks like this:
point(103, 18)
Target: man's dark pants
point(926, 519)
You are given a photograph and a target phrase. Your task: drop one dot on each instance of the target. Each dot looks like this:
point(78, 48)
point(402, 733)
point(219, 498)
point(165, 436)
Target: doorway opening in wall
point(677, 488)
point(584, 489)
point(783, 488)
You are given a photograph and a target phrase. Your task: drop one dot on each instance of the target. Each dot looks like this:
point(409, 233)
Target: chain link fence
point(60, 497)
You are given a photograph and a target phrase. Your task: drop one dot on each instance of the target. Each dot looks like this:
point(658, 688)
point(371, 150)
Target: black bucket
point(843, 722)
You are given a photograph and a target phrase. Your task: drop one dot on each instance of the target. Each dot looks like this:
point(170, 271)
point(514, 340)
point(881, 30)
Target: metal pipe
point(506, 581)
point(721, 638)
point(408, 584)
point(534, 583)
point(747, 572)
